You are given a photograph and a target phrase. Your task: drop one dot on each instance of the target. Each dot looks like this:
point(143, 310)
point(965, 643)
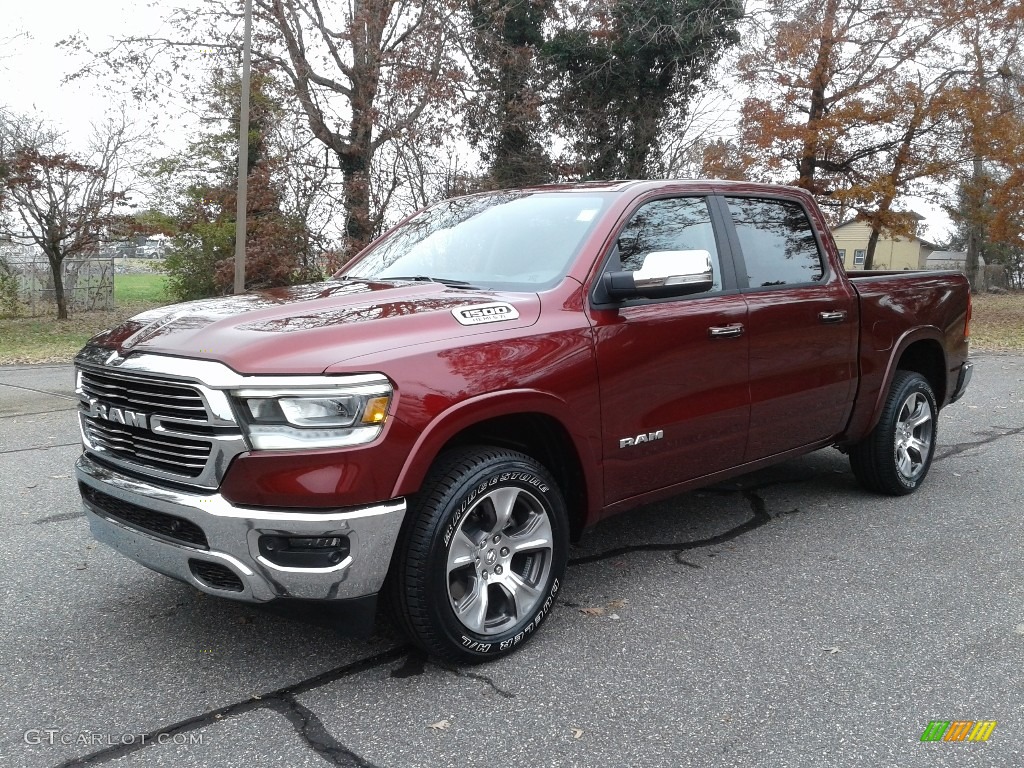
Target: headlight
point(282, 419)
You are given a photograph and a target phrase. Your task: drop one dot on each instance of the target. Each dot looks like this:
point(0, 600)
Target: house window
point(858, 256)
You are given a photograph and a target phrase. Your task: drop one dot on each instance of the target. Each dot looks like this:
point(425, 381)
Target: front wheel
point(896, 456)
point(481, 558)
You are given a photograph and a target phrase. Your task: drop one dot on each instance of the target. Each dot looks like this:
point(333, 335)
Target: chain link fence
point(28, 286)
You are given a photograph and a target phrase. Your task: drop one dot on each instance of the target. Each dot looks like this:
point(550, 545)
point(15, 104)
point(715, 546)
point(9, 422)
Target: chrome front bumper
point(232, 534)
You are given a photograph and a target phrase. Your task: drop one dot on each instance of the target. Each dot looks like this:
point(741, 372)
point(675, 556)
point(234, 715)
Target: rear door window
point(777, 242)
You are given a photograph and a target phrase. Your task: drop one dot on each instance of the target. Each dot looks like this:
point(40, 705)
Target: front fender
point(474, 410)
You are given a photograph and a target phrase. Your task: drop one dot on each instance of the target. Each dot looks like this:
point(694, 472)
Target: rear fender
point(860, 427)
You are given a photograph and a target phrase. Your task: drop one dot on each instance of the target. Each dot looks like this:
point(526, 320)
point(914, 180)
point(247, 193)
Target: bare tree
point(364, 73)
point(61, 202)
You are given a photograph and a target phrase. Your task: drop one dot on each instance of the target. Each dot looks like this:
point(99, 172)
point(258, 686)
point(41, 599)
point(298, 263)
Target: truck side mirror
point(664, 274)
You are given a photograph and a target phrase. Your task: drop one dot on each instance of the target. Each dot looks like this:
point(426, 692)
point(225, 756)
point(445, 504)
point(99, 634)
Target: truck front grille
point(177, 529)
point(149, 396)
point(155, 425)
point(140, 446)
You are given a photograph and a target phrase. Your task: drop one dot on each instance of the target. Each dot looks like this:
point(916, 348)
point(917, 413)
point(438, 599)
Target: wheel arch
point(926, 357)
point(527, 421)
point(918, 350)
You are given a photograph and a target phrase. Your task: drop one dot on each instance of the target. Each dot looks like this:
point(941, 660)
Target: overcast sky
point(32, 69)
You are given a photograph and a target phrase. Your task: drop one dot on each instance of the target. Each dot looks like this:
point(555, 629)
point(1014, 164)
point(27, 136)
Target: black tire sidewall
point(511, 470)
point(912, 383)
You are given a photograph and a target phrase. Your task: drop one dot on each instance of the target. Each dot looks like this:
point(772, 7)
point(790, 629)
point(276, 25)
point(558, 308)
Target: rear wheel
point(482, 556)
point(894, 459)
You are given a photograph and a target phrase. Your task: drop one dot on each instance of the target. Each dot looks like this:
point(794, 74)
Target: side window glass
point(777, 241)
point(675, 224)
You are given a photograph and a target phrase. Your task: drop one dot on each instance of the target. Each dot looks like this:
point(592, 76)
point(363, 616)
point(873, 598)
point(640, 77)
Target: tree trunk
point(56, 264)
point(975, 236)
point(355, 168)
point(869, 255)
point(879, 216)
point(820, 78)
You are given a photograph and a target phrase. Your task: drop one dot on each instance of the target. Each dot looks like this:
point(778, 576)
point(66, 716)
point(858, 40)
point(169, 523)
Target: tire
point(457, 590)
point(894, 459)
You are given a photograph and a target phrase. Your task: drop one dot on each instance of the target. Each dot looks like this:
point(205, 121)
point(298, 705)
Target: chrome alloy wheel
point(499, 560)
point(914, 428)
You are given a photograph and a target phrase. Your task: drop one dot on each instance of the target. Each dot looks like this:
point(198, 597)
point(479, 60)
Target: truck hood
point(309, 328)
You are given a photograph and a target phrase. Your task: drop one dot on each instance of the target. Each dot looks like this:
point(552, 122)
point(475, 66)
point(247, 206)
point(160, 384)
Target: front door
point(673, 372)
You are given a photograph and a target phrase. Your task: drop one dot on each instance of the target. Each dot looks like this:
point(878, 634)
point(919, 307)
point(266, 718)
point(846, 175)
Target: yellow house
point(890, 253)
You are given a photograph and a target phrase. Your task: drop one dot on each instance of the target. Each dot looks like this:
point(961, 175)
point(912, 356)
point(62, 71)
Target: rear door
point(802, 326)
point(672, 372)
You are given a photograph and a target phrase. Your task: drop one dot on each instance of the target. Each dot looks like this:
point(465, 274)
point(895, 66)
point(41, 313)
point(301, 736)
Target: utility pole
point(243, 154)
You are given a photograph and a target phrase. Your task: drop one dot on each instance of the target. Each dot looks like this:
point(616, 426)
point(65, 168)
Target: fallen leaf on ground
point(577, 733)
point(619, 603)
point(833, 650)
point(596, 611)
point(441, 725)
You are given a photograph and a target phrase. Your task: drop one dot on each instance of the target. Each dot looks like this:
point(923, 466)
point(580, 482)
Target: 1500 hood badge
point(478, 314)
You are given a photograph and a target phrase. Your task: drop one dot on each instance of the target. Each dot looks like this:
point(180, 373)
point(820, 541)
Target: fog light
point(304, 551)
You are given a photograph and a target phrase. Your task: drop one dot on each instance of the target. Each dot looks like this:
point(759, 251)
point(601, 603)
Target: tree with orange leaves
point(990, 94)
point(847, 100)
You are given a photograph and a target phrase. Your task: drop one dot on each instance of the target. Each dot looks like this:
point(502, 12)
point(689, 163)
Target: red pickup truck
point(490, 378)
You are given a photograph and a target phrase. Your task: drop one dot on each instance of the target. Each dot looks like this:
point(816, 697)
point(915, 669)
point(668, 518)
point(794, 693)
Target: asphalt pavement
point(784, 619)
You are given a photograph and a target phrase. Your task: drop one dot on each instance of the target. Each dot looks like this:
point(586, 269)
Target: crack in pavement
point(40, 447)
point(757, 506)
point(312, 731)
point(59, 518)
point(39, 391)
point(479, 678)
point(416, 663)
point(37, 413)
point(992, 436)
point(275, 700)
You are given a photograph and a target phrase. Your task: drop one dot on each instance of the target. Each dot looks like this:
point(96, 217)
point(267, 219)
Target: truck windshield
point(515, 241)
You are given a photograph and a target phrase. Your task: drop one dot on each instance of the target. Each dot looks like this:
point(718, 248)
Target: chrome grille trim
point(131, 392)
point(133, 445)
point(186, 432)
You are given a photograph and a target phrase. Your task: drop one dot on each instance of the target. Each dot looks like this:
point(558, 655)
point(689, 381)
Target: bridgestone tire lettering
point(418, 584)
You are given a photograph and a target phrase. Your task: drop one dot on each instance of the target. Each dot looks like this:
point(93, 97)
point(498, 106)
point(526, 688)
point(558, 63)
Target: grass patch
point(997, 323)
point(44, 340)
point(131, 289)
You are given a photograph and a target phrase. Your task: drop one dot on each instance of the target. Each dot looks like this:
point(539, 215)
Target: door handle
point(832, 317)
point(726, 331)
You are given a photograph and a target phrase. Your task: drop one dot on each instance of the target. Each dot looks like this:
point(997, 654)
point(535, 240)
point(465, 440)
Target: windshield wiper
point(428, 279)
